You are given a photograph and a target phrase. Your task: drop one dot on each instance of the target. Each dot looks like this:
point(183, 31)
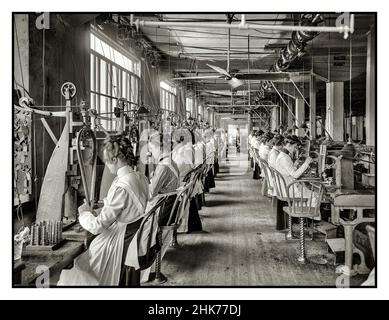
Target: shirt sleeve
point(108, 215)
point(290, 170)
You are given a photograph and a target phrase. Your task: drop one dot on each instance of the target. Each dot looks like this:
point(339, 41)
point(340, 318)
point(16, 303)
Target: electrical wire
point(19, 208)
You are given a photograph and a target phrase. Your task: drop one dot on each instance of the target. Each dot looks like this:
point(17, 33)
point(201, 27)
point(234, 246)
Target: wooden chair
point(196, 175)
point(268, 178)
point(147, 241)
point(371, 279)
point(183, 196)
point(280, 188)
point(256, 163)
point(371, 232)
point(303, 206)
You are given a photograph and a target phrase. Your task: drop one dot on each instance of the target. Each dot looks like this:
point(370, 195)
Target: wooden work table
point(55, 261)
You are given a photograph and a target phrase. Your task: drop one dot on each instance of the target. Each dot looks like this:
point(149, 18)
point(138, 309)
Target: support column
point(274, 118)
point(335, 110)
point(300, 116)
point(370, 88)
point(312, 110)
point(21, 66)
point(290, 120)
point(250, 124)
point(359, 128)
point(283, 117)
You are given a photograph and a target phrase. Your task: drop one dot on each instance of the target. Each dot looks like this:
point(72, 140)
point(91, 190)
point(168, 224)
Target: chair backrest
point(181, 199)
point(268, 175)
point(190, 174)
point(371, 232)
point(193, 176)
point(146, 241)
point(204, 172)
point(256, 156)
point(279, 185)
point(305, 196)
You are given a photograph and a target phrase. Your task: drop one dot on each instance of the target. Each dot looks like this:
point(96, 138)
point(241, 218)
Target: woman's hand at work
point(308, 160)
point(84, 208)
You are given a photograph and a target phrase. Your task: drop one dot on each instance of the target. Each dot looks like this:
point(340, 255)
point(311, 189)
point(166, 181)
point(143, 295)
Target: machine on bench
point(73, 170)
point(350, 198)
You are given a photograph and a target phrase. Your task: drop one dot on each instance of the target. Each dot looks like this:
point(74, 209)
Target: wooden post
point(290, 120)
point(274, 118)
point(312, 110)
point(335, 110)
point(370, 88)
point(359, 125)
point(300, 115)
point(250, 124)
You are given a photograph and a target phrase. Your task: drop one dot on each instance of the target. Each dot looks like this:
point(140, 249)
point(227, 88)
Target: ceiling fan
point(236, 79)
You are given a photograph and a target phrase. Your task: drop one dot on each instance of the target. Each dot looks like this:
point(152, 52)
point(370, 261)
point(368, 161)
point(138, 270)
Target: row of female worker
point(131, 195)
point(281, 152)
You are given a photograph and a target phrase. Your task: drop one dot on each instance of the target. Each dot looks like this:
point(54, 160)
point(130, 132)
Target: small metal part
point(55, 232)
point(68, 90)
point(51, 232)
point(37, 235)
point(32, 235)
point(43, 234)
point(59, 231)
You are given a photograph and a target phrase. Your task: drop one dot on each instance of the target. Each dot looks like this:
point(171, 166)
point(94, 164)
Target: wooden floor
point(240, 246)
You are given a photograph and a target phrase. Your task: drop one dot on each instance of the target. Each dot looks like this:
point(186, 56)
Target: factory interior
point(194, 149)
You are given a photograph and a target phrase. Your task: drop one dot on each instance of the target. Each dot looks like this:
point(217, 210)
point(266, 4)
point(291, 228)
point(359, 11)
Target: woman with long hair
point(115, 224)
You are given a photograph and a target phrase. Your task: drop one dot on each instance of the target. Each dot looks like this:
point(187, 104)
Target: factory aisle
point(239, 245)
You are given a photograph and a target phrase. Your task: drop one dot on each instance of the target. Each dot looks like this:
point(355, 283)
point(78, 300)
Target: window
point(114, 74)
point(168, 97)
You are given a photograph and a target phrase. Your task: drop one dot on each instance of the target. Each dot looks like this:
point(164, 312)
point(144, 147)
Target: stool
point(280, 188)
point(301, 206)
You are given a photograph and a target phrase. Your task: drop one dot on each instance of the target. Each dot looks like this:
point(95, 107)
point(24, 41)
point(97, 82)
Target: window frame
point(167, 97)
point(118, 81)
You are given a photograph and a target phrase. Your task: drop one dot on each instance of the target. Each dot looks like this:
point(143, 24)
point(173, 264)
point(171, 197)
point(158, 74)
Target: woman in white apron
point(166, 176)
point(182, 153)
point(165, 179)
point(284, 165)
point(256, 143)
point(116, 223)
point(277, 143)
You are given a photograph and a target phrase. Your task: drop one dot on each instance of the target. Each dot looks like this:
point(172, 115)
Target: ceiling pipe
point(345, 29)
point(239, 105)
point(296, 45)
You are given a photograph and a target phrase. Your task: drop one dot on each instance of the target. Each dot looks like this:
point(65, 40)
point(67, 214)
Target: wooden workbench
point(55, 261)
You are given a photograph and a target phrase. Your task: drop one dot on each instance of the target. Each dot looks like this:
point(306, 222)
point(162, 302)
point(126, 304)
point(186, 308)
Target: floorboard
point(239, 245)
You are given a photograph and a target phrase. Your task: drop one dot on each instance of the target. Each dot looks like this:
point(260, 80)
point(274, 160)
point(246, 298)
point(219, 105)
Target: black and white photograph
point(194, 149)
